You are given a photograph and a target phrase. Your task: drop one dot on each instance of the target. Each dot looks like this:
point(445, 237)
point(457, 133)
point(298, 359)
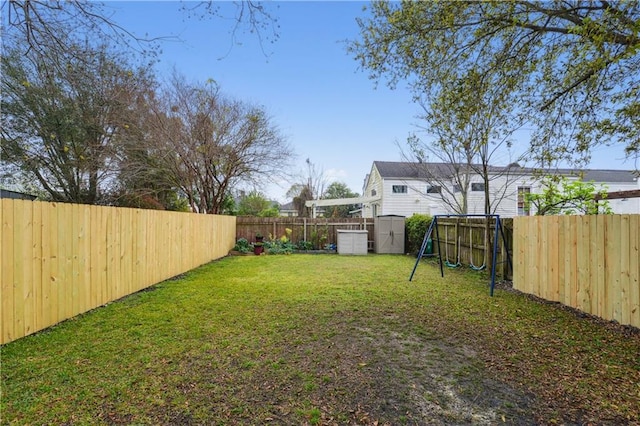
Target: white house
point(404, 188)
point(288, 210)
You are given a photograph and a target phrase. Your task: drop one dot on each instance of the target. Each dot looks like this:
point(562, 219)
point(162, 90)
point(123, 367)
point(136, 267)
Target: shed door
point(389, 234)
point(397, 235)
point(385, 235)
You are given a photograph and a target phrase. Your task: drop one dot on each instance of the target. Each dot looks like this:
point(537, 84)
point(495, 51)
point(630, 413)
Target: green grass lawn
point(323, 339)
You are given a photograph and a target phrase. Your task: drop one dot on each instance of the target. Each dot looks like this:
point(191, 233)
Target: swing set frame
point(498, 231)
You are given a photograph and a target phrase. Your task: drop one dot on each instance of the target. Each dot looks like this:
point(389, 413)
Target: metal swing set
point(499, 231)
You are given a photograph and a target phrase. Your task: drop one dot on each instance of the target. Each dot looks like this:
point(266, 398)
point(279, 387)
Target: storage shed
point(352, 241)
point(389, 234)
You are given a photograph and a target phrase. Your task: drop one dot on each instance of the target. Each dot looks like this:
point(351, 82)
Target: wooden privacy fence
point(464, 239)
point(59, 260)
point(317, 231)
point(591, 263)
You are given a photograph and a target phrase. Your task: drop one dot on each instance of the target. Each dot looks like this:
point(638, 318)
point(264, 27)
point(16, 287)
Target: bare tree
point(205, 143)
point(310, 186)
point(250, 16)
point(444, 166)
point(44, 25)
point(469, 124)
point(141, 181)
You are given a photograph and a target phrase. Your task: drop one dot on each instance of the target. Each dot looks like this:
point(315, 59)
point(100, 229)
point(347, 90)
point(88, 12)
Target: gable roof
point(409, 170)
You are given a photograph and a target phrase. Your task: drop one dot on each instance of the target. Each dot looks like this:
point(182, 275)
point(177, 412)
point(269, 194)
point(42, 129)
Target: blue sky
point(323, 103)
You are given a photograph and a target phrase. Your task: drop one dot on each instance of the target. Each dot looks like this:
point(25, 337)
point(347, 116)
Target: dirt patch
point(431, 381)
point(352, 373)
point(443, 384)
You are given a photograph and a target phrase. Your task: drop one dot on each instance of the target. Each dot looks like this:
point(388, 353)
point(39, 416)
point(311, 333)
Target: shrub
point(415, 227)
point(282, 245)
point(319, 237)
point(242, 245)
point(304, 245)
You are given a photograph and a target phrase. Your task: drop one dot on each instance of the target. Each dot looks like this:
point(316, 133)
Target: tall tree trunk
point(488, 254)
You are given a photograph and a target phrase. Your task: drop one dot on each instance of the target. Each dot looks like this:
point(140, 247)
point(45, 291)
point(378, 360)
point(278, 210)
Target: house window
point(523, 208)
point(478, 186)
point(457, 188)
point(434, 189)
point(399, 189)
point(373, 192)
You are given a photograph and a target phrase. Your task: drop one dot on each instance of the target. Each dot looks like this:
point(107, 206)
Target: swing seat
point(471, 265)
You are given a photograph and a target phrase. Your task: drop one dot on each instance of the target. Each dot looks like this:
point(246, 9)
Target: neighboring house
point(615, 180)
point(403, 188)
point(5, 193)
point(289, 210)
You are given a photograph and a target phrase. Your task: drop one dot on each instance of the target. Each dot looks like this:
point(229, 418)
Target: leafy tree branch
point(562, 195)
point(572, 65)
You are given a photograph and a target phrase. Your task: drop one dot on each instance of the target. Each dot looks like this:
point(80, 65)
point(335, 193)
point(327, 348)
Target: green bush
point(415, 227)
point(282, 245)
point(242, 245)
point(279, 247)
point(304, 245)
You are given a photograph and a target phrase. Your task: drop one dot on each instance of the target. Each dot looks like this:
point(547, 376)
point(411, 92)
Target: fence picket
point(6, 286)
point(600, 285)
point(624, 314)
point(19, 263)
point(633, 304)
point(44, 307)
point(613, 272)
point(54, 264)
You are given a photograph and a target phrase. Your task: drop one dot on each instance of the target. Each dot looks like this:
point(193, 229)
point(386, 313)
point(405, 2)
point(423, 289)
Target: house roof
point(6, 193)
point(607, 175)
point(409, 170)
point(395, 169)
point(288, 206)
